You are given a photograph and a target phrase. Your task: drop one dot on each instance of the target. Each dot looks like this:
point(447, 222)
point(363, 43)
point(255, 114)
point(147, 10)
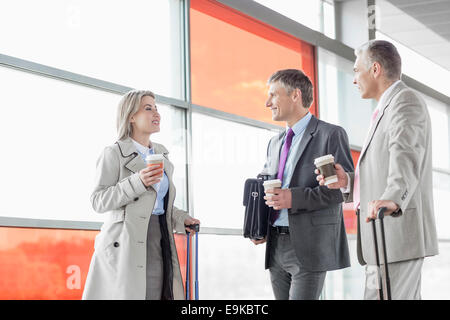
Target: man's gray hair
point(386, 54)
point(291, 79)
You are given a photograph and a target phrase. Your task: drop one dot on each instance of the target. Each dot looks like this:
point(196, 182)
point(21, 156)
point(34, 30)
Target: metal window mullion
point(75, 78)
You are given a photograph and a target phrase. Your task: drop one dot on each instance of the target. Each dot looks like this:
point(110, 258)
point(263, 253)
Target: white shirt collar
point(142, 149)
point(300, 125)
point(386, 93)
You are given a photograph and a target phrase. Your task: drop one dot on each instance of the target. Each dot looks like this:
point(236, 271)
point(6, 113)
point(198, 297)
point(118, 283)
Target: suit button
point(136, 199)
point(116, 244)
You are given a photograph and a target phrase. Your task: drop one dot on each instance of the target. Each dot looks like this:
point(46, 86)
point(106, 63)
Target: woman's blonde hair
point(128, 106)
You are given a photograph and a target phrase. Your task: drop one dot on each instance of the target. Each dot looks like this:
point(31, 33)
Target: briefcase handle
point(263, 176)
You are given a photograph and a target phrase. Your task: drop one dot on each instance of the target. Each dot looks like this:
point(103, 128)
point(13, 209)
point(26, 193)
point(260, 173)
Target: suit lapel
point(278, 144)
point(380, 115)
point(274, 156)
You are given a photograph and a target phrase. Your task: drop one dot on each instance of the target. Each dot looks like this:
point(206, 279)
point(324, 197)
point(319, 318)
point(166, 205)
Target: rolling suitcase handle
point(195, 227)
point(380, 216)
point(188, 271)
point(196, 265)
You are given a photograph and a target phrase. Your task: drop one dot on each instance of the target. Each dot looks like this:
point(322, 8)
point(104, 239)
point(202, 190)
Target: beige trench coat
point(118, 265)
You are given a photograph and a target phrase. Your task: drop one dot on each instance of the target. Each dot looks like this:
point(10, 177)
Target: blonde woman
point(135, 255)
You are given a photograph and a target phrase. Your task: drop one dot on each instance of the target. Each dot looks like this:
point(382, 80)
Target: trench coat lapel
point(136, 163)
point(128, 150)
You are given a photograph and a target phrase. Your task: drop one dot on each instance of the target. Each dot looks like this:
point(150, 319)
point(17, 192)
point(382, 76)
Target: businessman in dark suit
point(306, 236)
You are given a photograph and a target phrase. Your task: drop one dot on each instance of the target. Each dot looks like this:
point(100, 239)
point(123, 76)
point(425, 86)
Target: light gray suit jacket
point(396, 165)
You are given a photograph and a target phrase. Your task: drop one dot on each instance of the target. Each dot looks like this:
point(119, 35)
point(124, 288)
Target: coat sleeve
point(348, 197)
point(178, 217)
point(320, 197)
point(407, 145)
point(110, 193)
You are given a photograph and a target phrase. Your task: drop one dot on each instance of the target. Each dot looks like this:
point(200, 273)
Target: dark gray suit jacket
point(316, 221)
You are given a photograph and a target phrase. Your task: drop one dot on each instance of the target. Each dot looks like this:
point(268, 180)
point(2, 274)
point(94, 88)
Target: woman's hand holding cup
point(151, 175)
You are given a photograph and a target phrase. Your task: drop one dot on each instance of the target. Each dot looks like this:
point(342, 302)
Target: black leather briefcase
point(257, 213)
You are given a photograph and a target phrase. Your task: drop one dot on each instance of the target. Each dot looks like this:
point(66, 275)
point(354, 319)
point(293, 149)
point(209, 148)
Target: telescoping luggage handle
point(195, 227)
point(380, 216)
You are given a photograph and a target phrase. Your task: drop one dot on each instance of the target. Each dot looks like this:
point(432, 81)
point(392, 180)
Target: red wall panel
point(41, 264)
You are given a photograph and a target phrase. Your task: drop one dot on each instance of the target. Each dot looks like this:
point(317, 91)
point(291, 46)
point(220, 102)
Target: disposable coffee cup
point(325, 165)
point(271, 184)
point(155, 161)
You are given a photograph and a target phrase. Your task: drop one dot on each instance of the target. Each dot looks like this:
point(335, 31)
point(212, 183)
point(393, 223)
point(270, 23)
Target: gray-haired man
point(394, 171)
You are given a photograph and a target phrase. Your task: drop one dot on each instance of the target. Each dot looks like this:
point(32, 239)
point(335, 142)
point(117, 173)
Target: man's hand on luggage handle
point(374, 206)
point(341, 175)
point(279, 198)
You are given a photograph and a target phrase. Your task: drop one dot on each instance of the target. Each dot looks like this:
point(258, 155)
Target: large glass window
point(173, 136)
point(315, 14)
point(232, 267)
point(134, 43)
point(224, 154)
point(419, 67)
point(230, 71)
point(441, 194)
point(440, 120)
point(340, 101)
point(53, 133)
point(435, 275)
point(349, 283)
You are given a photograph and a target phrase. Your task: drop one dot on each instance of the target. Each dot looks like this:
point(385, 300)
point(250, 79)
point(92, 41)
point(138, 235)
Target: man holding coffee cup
point(306, 236)
point(394, 171)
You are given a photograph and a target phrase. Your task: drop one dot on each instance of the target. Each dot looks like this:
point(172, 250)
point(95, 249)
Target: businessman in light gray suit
point(394, 171)
point(306, 236)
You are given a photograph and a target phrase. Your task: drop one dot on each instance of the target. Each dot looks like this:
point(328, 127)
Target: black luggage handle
point(380, 216)
point(195, 227)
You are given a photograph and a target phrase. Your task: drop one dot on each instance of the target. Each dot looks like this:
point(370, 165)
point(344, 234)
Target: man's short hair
point(291, 79)
point(386, 54)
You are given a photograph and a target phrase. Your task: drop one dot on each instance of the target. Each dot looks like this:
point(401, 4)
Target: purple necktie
point(281, 165)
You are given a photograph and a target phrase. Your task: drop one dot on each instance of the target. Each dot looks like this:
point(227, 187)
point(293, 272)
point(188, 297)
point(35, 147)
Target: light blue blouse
point(161, 187)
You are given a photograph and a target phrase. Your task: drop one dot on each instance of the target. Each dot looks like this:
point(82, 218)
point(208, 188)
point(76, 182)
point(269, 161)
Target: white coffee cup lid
point(269, 182)
point(328, 157)
point(153, 157)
